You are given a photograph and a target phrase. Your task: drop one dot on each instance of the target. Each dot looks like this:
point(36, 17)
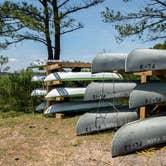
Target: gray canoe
point(146, 59)
point(108, 90)
point(138, 135)
point(41, 107)
point(147, 94)
point(75, 107)
point(103, 120)
point(108, 62)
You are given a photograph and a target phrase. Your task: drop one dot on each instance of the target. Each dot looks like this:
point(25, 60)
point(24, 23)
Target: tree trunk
point(57, 39)
point(47, 33)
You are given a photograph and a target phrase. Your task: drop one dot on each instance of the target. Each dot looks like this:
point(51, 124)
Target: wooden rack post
point(144, 78)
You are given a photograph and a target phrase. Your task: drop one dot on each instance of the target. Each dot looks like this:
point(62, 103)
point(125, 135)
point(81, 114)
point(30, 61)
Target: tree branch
point(62, 4)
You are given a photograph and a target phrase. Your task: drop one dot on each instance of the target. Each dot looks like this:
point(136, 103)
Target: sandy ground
point(37, 141)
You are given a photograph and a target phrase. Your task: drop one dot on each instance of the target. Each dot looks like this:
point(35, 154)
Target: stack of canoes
point(100, 91)
point(151, 131)
point(81, 106)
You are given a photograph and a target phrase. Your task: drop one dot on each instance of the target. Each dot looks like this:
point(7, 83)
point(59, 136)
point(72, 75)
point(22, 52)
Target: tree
point(147, 24)
point(3, 63)
point(43, 21)
point(160, 46)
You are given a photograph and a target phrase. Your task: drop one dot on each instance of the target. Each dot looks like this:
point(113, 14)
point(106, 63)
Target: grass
point(31, 139)
point(28, 139)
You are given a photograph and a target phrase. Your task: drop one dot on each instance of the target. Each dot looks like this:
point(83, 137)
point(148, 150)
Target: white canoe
point(38, 78)
point(146, 59)
point(41, 106)
point(108, 62)
point(38, 63)
point(77, 76)
point(66, 92)
point(39, 92)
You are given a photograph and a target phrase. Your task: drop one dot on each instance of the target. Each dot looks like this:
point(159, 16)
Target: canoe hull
point(108, 62)
point(66, 92)
point(80, 76)
point(147, 94)
point(38, 78)
point(108, 90)
point(41, 107)
point(146, 59)
point(39, 92)
point(74, 107)
point(138, 135)
point(93, 122)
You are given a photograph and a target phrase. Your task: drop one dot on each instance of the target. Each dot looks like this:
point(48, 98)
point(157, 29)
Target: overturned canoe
point(146, 59)
point(107, 90)
point(66, 92)
point(77, 76)
point(103, 120)
point(68, 107)
point(38, 78)
point(108, 62)
point(38, 63)
point(39, 92)
point(147, 94)
point(138, 135)
point(41, 107)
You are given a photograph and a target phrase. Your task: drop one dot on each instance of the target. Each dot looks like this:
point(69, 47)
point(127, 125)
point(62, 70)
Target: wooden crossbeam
point(56, 99)
point(53, 83)
point(58, 65)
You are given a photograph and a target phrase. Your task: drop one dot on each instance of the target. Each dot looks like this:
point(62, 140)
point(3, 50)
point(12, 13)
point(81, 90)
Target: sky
point(84, 44)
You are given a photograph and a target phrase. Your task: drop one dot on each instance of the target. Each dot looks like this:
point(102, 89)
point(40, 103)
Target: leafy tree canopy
point(43, 21)
point(148, 22)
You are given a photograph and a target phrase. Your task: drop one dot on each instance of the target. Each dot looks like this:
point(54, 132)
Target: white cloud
point(12, 59)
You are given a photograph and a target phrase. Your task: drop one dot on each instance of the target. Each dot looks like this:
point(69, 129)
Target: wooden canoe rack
point(144, 79)
point(58, 66)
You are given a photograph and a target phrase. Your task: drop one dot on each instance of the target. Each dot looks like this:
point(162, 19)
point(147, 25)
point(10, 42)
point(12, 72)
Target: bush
point(15, 90)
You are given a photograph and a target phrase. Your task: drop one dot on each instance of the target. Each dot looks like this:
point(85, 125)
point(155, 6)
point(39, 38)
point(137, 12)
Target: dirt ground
point(33, 140)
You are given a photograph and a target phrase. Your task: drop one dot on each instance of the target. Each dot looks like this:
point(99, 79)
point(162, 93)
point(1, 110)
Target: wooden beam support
point(59, 116)
point(142, 113)
point(58, 65)
point(56, 99)
point(51, 83)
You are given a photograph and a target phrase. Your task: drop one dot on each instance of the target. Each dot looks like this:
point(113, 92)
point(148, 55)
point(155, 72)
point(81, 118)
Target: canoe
point(108, 90)
point(138, 135)
point(38, 63)
point(68, 107)
point(108, 62)
point(66, 92)
point(147, 94)
point(38, 78)
point(41, 107)
point(39, 92)
point(78, 76)
point(103, 120)
point(145, 59)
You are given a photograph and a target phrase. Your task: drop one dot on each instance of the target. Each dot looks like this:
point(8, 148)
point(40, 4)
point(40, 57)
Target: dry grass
point(28, 139)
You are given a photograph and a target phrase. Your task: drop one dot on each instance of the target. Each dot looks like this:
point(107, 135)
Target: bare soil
point(33, 140)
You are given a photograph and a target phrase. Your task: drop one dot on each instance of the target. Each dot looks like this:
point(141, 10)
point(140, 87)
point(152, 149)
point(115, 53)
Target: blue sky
point(83, 44)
